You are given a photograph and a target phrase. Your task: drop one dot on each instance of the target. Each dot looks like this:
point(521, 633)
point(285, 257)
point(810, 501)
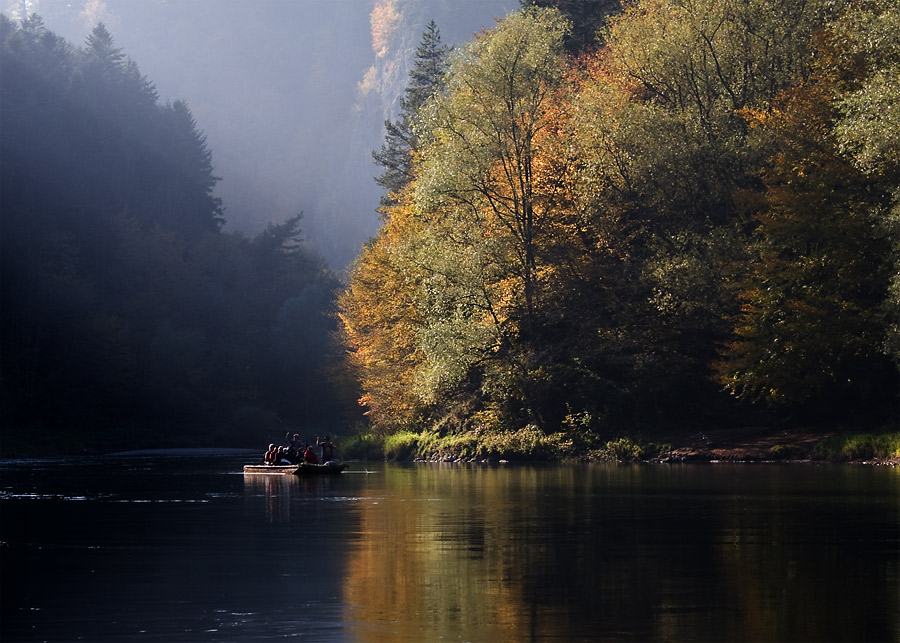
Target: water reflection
point(288, 497)
point(624, 553)
point(176, 550)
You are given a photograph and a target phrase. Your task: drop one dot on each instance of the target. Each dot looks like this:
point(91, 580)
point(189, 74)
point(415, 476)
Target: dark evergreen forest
point(126, 314)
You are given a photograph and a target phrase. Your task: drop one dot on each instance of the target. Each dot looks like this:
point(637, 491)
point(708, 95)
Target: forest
point(686, 218)
point(127, 316)
point(599, 220)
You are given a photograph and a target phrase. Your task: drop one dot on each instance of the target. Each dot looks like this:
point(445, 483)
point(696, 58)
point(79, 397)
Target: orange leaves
point(380, 320)
point(809, 320)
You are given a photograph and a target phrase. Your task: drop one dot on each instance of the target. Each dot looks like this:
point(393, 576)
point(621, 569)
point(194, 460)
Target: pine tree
point(425, 78)
point(100, 52)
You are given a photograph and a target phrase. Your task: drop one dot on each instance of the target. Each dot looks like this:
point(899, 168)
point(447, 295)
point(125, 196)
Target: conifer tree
point(425, 78)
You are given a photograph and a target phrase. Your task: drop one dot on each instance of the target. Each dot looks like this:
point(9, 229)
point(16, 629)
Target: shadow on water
point(185, 547)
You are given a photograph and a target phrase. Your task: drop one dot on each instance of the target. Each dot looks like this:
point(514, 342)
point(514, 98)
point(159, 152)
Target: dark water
point(175, 548)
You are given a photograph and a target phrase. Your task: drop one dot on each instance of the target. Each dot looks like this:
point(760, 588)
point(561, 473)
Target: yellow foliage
point(379, 320)
point(384, 19)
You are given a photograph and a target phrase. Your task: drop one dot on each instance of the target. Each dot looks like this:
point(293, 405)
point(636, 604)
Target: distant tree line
point(691, 217)
point(122, 302)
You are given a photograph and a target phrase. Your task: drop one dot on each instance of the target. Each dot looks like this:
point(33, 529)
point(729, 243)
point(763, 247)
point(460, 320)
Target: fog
point(291, 94)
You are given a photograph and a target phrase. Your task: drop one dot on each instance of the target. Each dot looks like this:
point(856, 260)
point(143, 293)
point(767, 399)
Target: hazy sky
point(276, 87)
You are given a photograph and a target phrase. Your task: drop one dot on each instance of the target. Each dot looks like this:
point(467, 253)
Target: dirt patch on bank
point(751, 444)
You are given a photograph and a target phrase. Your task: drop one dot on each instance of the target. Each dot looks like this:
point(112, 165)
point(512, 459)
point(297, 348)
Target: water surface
point(187, 548)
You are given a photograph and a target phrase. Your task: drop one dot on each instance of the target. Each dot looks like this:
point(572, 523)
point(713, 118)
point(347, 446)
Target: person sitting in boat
point(284, 456)
point(310, 456)
point(271, 455)
point(327, 448)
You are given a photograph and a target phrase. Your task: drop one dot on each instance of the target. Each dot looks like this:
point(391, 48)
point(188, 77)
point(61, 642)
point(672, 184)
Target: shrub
point(462, 445)
point(627, 450)
point(784, 452)
point(527, 442)
point(362, 446)
point(859, 446)
point(402, 446)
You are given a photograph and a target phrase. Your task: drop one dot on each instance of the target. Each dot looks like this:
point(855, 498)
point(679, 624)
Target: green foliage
point(362, 446)
point(526, 443)
point(404, 445)
point(784, 452)
point(425, 79)
point(859, 446)
point(588, 18)
point(709, 200)
point(813, 326)
point(627, 449)
point(479, 195)
point(868, 34)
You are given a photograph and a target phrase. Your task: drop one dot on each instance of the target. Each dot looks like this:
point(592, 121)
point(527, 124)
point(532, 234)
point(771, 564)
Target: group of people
point(297, 452)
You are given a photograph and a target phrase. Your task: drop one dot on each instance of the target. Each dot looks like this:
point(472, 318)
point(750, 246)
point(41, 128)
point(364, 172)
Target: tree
point(812, 333)
point(482, 151)
point(101, 54)
point(121, 303)
point(588, 18)
point(812, 328)
point(380, 323)
point(487, 191)
point(401, 142)
point(867, 37)
point(665, 164)
point(580, 242)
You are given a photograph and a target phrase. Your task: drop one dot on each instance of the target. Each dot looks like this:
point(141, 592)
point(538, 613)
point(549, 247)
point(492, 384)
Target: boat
point(330, 467)
point(303, 469)
point(270, 469)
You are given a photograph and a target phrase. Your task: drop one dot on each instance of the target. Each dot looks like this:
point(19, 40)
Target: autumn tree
point(487, 190)
point(709, 199)
point(812, 326)
point(868, 34)
point(812, 334)
point(665, 161)
point(381, 322)
point(379, 319)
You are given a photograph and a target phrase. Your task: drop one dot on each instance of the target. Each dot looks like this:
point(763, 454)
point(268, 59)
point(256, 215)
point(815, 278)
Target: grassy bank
point(531, 444)
point(847, 447)
point(528, 443)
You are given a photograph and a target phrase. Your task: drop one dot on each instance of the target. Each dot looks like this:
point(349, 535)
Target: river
point(185, 547)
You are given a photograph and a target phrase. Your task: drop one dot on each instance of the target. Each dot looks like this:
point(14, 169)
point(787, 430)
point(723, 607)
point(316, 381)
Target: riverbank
point(740, 444)
point(804, 444)
point(744, 444)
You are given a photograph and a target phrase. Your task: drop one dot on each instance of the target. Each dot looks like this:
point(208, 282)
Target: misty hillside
point(123, 303)
point(292, 96)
